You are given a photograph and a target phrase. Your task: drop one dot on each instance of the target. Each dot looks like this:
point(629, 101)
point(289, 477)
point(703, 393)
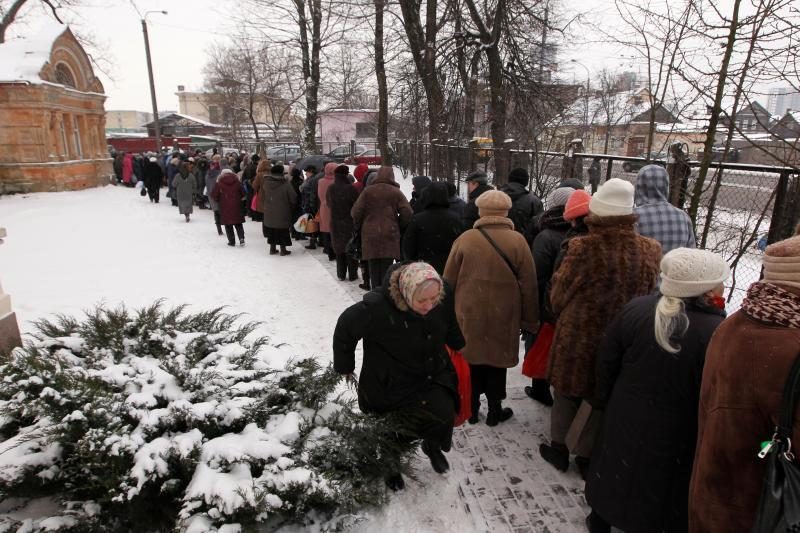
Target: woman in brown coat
point(496, 298)
point(381, 211)
point(602, 271)
point(747, 363)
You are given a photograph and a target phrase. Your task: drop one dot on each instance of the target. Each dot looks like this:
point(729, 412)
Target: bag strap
point(500, 251)
point(789, 401)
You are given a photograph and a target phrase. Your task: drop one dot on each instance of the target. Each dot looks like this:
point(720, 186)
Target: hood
point(330, 169)
point(514, 190)
point(228, 177)
point(420, 183)
point(385, 175)
point(361, 171)
point(553, 219)
point(436, 195)
point(652, 185)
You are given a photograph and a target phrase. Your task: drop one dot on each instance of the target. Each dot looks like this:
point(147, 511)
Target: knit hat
point(519, 175)
point(479, 177)
point(277, 170)
point(559, 197)
point(414, 275)
point(342, 169)
point(614, 198)
point(153, 160)
point(689, 272)
point(577, 205)
point(493, 204)
point(782, 262)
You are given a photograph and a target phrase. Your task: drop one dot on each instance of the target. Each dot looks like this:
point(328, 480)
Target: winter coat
point(211, 181)
point(153, 176)
point(493, 305)
point(340, 198)
point(525, 206)
point(601, 272)
point(470, 214)
point(421, 183)
point(360, 174)
point(658, 219)
point(322, 192)
point(404, 352)
point(277, 200)
point(457, 206)
point(381, 211)
point(747, 364)
point(431, 233)
point(296, 182)
point(127, 168)
point(185, 191)
point(310, 198)
point(642, 459)
point(546, 247)
point(228, 193)
point(138, 168)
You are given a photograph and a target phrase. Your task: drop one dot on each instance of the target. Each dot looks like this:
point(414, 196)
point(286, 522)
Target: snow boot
point(583, 466)
point(556, 454)
point(500, 414)
point(284, 251)
point(187, 218)
point(241, 242)
point(539, 390)
point(596, 524)
point(273, 250)
point(438, 460)
point(395, 482)
point(312, 243)
point(231, 244)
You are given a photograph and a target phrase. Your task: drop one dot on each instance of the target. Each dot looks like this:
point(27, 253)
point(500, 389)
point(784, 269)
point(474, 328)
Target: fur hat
point(782, 262)
point(493, 204)
point(478, 177)
point(277, 170)
point(614, 198)
point(559, 197)
point(577, 205)
point(689, 272)
point(342, 169)
point(519, 175)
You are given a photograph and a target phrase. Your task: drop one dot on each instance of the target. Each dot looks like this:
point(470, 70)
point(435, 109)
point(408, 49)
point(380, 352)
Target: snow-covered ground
point(67, 251)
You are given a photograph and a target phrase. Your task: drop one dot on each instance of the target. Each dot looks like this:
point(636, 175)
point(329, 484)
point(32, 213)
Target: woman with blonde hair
point(649, 368)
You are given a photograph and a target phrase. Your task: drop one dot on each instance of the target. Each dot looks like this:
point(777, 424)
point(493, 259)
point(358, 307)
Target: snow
point(22, 59)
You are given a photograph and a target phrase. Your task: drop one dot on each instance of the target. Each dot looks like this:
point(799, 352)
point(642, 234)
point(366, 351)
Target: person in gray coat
point(278, 203)
point(185, 189)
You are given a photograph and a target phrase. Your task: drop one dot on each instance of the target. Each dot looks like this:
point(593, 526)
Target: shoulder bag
point(779, 505)
point(501, 252)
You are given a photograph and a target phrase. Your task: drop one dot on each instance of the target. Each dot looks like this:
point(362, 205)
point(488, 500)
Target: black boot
point(438, 460)
point(284, 251)
point(312, 243)
point(497, 415)
point(476, 407)
point(395, 482)
point(540, 391)
point(556, 454)
point(273, 250)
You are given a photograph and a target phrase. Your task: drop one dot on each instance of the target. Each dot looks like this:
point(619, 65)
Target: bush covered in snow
point(159, 419)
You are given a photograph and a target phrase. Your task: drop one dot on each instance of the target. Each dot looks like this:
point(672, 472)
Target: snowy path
point(67, 251)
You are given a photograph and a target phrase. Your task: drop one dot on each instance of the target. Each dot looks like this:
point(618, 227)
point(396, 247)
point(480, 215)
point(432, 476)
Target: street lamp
point(586, 95)
point(152, 83)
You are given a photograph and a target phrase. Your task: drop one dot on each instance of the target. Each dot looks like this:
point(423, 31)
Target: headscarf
point(361, 171)
point(413, 276)
point(330, 169)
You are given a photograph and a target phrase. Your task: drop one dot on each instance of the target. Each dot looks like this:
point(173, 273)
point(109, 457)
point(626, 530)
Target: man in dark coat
point(406, 369)
point(457, 204)
point(248, 175)
point(420, 183)
point(477, 184)
point(228, 193)
point(341, 197)
point(153, 177)
point(432, 232)
point(525, 206)
point(296, 181)
point(311, 199)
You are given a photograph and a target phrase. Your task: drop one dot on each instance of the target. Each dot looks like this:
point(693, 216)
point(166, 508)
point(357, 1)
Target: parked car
point(340, 153)
point(656, 158)
point(317, 161)
point(370, 157)
point(283, 153)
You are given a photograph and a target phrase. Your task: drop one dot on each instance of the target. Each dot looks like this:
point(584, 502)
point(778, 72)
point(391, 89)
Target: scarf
point(414, 275)
point(772, 305)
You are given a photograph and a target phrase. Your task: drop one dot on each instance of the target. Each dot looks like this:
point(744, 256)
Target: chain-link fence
point(736, 209)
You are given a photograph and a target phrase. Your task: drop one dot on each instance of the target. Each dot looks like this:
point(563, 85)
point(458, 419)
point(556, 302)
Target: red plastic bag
point(535, 364)
point(464, 386)
point(254, 203)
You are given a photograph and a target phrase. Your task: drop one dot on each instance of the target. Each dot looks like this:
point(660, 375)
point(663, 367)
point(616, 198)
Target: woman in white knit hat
point(648, 373)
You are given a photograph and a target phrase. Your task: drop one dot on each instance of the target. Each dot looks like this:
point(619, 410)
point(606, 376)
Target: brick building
point(52, 120)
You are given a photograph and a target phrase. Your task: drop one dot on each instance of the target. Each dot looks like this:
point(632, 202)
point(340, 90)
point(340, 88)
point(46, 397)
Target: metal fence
point(737, 209)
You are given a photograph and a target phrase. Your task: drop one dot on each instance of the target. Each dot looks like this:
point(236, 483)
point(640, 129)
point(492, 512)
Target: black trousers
point(154, 193)
point(488, 380)
point(239, 232)
point(346, 265)
point(377, 271)
point(217, 221)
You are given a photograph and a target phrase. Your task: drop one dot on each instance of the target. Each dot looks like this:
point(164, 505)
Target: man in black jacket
point(477, 184)
point(432, 232)
point(525, 206)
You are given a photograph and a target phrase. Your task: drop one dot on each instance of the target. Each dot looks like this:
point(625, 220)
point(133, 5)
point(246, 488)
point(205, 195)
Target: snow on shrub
point(158, 419)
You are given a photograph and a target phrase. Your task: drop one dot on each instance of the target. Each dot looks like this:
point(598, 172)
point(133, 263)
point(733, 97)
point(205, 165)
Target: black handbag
point(353, 247)
point(779, 505)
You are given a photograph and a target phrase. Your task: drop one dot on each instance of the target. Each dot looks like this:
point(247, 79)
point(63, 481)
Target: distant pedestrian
point(477, 184)
point(213, 173)
point(594, 174)
point(658, 219)
point(185, 189)
point(278, 200)
point(127, 169)
point(153, 178)
point(649, 368)
point(310, 200)
point(229, 193)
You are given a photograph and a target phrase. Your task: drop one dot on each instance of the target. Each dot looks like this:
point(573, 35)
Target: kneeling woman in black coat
point(405, 325)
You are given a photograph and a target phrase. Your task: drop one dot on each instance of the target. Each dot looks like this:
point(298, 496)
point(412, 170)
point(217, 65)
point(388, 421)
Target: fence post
point(785, 211)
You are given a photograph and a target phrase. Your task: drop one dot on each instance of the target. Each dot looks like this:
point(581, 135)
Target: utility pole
point(152, 83)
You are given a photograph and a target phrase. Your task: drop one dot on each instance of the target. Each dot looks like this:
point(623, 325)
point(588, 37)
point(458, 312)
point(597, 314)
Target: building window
point(366, 130)
point(64, 144)
point(76, 133)
point(64, 76)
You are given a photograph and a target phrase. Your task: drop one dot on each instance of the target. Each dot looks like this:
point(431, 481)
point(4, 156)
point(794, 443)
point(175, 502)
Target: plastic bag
point(535, 364)
point(302, 222)
point(464, 386)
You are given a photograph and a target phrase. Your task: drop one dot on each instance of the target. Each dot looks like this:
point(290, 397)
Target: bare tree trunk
point(383, 92)
point(310, 59)
point(9, 18)
point(715, 112)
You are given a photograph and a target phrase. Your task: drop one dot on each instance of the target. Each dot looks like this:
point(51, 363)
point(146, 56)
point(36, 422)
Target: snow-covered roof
point(22, 59)
point(621, 108)
point(185, 117)
point(336, 110)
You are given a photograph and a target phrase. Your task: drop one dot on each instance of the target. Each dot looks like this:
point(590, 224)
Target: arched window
point(64, 76)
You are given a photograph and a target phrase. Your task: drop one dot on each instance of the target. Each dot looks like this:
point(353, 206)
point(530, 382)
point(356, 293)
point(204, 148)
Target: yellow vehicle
point(484, 145)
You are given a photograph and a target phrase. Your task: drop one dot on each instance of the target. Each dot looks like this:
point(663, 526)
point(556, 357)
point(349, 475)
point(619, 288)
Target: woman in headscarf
point(405, 370)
